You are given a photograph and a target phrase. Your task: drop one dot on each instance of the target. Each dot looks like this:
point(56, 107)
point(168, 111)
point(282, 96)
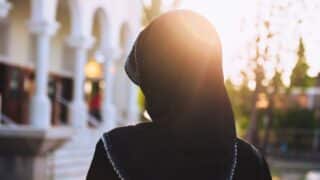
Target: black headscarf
point(177, 62)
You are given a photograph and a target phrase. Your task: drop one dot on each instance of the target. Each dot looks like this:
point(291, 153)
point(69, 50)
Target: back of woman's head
point(178, 57)
point(177, 62)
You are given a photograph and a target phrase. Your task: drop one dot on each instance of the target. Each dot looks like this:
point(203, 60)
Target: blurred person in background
point(95, 104)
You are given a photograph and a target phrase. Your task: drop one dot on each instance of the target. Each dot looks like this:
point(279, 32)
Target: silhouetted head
point(177, 62)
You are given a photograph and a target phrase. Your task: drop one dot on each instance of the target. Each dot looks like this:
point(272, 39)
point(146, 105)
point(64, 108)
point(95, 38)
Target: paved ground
point(294, 170)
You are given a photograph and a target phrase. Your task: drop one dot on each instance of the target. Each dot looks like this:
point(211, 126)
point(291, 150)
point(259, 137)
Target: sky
point(233, 21)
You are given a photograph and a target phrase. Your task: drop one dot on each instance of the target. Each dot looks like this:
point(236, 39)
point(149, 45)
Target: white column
point(40, 111)
point(132, 101)
point(5, 6)
point(78, 108)
point(108, 107)
point(133, 110)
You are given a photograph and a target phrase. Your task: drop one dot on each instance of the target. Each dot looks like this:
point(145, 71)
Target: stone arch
point(4, 30)
point(4, 38)
point(16, 19)
point(94, 85)
point(62, 62)
point(74, 10)
point(123, 85)
point(15, 61)
point(100, 26)
point(124, 36)
point(100, 32)
point(61, 53)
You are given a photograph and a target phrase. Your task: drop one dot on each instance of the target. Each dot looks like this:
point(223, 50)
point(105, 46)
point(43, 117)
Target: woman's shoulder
point(249, 151)
point(246, 146)
point(251, 161)
point(131, 136)
point(129, 131)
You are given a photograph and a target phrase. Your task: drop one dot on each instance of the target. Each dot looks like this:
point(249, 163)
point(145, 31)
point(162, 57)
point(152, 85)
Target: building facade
point(59, 59)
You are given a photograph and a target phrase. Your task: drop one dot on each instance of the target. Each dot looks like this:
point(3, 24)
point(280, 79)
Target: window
point(68, 59)
point(33, 49)
point(4, 36)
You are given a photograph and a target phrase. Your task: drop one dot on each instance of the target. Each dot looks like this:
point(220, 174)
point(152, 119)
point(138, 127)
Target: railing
point(91, 119)
point(5, 120)
point(295, 143)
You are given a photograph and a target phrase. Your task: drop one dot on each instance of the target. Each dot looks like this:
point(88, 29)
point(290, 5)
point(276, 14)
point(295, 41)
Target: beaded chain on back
point(115, 168)
point(235, 161)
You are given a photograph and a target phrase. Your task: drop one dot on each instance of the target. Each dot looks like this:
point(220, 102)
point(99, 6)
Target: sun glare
point(234, 23)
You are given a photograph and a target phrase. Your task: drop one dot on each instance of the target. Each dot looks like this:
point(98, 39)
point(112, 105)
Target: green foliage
point(239, 98)
point(295, 118)
point(152, 11)
point(299, 77)
point(141, 101)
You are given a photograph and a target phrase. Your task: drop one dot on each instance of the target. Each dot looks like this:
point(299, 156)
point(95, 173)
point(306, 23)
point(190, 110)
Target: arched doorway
point(16, 73)
point(94, 83)
point(122, 85)
point(61, 66)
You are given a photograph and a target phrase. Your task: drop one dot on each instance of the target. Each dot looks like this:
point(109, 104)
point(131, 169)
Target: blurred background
point(62, 82)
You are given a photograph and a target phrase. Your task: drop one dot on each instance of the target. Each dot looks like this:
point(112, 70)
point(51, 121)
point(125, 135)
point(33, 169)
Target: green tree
point(151, 11)
point(274, 87)
point(257, 68)
point(155, 9)
point(299, 76)
point(265, 39)
point(240, 95)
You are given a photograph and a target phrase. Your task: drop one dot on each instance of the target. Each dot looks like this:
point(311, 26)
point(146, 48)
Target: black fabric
point(101, 168)
point(178, 65)
point(127, 156)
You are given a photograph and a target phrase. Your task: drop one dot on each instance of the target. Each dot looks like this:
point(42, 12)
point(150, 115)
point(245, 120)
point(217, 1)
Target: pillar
point(4, 11)
point(78, 106)
point(133, 110)
point(108, 107)
point(5, 7)
point(40, 108)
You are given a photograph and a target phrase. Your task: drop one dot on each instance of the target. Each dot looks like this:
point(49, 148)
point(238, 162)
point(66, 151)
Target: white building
point(51, 41)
